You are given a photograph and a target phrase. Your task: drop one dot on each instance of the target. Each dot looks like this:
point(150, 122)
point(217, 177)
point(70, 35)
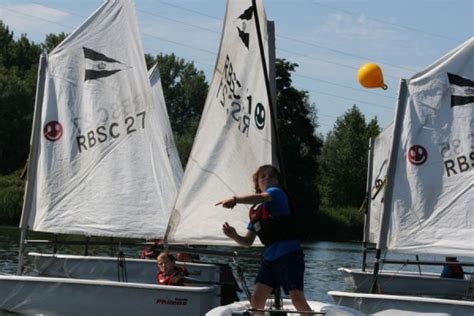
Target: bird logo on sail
point(462, 90)
point(241, 24)
point(99, 65)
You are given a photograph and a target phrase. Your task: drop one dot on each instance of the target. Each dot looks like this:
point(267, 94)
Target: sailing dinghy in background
point(98, 167)
point(430, 180)
point(136, 270)
point(394, 281)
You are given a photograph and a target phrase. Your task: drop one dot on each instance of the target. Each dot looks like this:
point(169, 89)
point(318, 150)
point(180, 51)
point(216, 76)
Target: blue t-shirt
point(279, 205)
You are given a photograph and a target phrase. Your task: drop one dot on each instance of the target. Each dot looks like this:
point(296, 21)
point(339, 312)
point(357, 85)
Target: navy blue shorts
point(287, 272)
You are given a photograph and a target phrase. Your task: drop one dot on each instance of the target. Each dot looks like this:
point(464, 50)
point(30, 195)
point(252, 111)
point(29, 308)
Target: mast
point(272, 113)
point(388, 194)
point(268, 89)
point(32, 160)
point(365, 241)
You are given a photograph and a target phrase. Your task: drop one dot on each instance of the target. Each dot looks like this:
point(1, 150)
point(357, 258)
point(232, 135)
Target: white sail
point(430, 193)
point(234, 136)
point(168, 138)
point(381, 152)
point(99, 152)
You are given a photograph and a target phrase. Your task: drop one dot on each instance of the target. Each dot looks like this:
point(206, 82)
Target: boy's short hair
point(166, 255)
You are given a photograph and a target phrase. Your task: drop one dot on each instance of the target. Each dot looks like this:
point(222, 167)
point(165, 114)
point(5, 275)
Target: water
point(322, 260)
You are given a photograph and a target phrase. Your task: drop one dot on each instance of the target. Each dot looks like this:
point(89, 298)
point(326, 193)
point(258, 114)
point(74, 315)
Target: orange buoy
point(370, 76)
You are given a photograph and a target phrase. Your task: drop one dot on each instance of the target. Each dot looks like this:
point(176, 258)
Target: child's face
point(165, 265)
point(267, 179)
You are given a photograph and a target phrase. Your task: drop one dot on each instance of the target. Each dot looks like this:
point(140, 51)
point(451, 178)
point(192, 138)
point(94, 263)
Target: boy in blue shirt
point(272, 220)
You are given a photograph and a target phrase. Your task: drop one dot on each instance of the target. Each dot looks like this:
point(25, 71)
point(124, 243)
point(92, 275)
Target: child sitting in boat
point(169, 273)
point(152, 251)
point(454, 271)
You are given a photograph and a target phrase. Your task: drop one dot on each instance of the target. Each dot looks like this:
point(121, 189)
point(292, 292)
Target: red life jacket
point(163, 279)
point(456, 271)
point(270, 229)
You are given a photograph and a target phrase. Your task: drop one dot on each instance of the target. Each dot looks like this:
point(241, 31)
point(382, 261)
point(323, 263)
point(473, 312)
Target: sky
point(329, 40)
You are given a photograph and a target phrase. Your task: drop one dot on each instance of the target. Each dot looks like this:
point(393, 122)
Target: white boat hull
point(404, 282)
point(239, 308)
point(59, 296)
point(106, 268)
point(381, 304)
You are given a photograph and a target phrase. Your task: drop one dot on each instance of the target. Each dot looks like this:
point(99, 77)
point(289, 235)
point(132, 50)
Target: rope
point(284, 311)
point(470, 288)
point(121, 268)
point(241, 276)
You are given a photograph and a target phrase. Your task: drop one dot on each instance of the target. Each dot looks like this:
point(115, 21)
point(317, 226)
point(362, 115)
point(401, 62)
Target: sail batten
point(102, 168)
point(234, 136)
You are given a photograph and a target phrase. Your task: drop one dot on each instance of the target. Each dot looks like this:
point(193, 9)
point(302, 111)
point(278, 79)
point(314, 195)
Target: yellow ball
point(370, 76)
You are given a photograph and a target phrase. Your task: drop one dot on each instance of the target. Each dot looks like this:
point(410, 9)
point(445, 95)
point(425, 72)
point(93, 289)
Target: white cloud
point(355, 27)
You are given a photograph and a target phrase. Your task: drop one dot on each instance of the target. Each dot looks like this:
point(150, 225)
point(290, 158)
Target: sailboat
point(430, 181)
point(98, 167)
point(393, 281)
point(236, 135)
point(137, 270)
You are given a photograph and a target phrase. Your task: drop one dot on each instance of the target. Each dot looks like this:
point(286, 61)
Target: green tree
point(16, 107)
point(18, 67)
point(52, 40)
point(373, 128)
point(344, 160)
point(11, 199)
point(297, 123)
point(7, 41)
point(185, 89)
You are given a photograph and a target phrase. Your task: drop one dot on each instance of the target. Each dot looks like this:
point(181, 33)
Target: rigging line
point(144, 33)
point(289, 38)
point(350, 99)
point(318, 3)
point(56, 9)
point(217, 32)
point(342, 52)
point(323, 60)
point(180, 22)
point(138, 10)
point(70, 27)
point(207, 51)
point(179, 44)
point(36, 17)
point(189, 10)
point(162, 39)
point(296, 75)
point(326, 115)
point(327, 61)
point(344, 86)
point(148, 48)
point(284, 37)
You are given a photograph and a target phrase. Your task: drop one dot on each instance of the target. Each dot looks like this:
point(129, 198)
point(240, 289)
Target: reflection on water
point(322, 260)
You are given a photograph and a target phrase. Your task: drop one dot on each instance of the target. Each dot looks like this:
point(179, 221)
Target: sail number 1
point(230, 99)
point(112, 131)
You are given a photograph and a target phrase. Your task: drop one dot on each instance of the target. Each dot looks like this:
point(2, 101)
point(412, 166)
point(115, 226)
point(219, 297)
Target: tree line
point(325, 175)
